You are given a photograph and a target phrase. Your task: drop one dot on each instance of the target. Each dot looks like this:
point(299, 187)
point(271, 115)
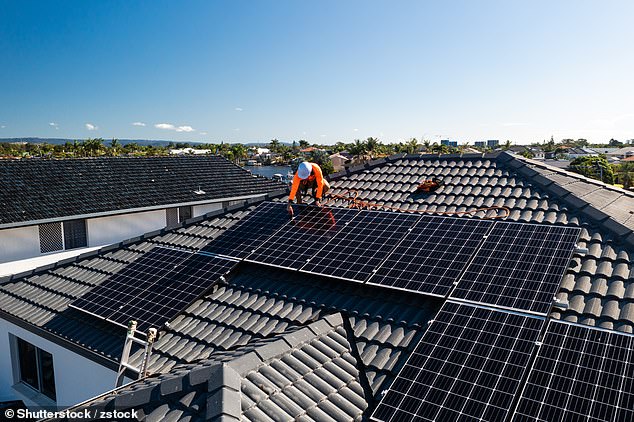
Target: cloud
point(90, 126)
point(2, 127)
point(510, 124)
point(203, 133)
point(138, 124)
point(169, 126)
point(237, 129)
point(355, 130)
point(323, 136)
point(238, 109)
point(53, 124)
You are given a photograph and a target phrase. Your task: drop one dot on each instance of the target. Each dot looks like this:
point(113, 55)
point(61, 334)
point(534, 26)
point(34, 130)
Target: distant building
point(338, 161)
point(449, 143)
point(480, 144)
point(189, 151)
point(493, 143)
point(581, 152)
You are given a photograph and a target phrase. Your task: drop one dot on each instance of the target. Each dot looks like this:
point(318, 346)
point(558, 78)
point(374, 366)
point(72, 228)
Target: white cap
point(304, 169)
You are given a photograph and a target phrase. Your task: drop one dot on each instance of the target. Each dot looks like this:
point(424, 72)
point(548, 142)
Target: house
point(339, 161)
point(576, 152)
point(268, 343)
point(48, 206)
point(622, 152)
point(449, 143)
point(534, 152)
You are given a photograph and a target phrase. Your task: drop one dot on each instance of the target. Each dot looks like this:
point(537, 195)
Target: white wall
point(115, 228)
point(204, 209)
point(76, 377)
point(19, 243)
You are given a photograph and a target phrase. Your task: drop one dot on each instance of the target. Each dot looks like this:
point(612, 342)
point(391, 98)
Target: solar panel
point(154, 288)
point(359, 247)
point(103, 300)
point(297, 241)
point(467, 366)
point(518, 266)
point(432, 256)
point(172, 293)
point(580, 373)
point(241, 239)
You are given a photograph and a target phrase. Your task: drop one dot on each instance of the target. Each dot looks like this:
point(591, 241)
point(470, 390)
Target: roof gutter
point(127, 211)
point(65, 343)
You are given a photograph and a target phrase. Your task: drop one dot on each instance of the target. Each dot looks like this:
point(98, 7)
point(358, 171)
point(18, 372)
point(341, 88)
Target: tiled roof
point(308, 373)
point(254, 307)
point(34, 190)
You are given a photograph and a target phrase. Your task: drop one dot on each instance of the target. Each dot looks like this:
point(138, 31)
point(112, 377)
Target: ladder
point(127, 347)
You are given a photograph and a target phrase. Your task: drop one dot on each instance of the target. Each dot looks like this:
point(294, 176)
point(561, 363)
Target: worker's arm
point(319, 177)
point(291, 196)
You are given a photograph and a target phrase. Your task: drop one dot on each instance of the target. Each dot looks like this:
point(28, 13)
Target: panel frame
point(370, 281)
point(536, 331)
point(496, 305)
point(335, 238)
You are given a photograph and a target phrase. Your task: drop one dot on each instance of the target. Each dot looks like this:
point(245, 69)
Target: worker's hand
point(289, 208)
point(318, 202)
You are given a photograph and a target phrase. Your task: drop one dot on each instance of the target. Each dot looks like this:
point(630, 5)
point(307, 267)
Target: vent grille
point(51, 237)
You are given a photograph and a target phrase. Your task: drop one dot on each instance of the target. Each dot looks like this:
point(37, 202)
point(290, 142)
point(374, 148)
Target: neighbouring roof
point(34, 190)
point(239, 319)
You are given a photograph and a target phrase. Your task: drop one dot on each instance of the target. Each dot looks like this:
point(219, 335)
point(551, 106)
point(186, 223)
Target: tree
point(115, 147)
point(439, 149)
point(274, 145)
point(239, 152)
point(358, 148)
point(615, 144)
point(506, 146)
point(321, 157)
point(626, 174)
point(372, 145)
point(303, 144)
point(595, 167)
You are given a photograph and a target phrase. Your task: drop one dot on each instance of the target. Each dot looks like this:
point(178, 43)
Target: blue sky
point(323, 71)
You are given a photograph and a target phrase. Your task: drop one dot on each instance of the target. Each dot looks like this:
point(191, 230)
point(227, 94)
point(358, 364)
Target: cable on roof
point(351, 196)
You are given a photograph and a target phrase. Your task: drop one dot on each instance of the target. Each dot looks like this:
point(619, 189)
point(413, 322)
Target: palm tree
point(115, 147)
point(372, 146)
point(239, 152)
point(427, 144)
point(507, 145)
point(412, 146)
point(274, 145)
point(358, 148)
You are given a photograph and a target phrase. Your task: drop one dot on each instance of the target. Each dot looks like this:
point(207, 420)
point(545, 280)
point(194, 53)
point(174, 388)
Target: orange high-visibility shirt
point(315, 175)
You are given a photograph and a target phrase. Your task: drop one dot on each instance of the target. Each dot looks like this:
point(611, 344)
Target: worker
point(308, 176)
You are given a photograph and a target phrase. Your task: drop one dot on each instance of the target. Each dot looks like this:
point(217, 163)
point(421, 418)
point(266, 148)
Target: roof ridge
point(589, 210)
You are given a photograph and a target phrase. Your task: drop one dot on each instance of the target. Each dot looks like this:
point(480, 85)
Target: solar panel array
point(432, 255)
point(359, 247)
point(154, 288)
point(580, 374)
point(468, 365)
point(292, 245)
point(519, 266)
point(244, 237)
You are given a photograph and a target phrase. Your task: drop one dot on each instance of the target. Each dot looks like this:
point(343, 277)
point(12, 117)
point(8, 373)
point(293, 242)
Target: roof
point(37, 190)
point(253, 309)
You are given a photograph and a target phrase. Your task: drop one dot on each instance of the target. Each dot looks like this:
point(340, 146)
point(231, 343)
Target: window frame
point(21, 384)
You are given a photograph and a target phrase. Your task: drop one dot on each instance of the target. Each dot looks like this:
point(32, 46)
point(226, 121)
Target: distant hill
point(143, 142)
point(61, 141)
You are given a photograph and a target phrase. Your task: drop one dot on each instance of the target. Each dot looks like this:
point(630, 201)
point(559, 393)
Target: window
point(184, 213)
point(171, 217)
point(174, 216)
point(59, 236)
point(36, 368)
point(75, 234)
